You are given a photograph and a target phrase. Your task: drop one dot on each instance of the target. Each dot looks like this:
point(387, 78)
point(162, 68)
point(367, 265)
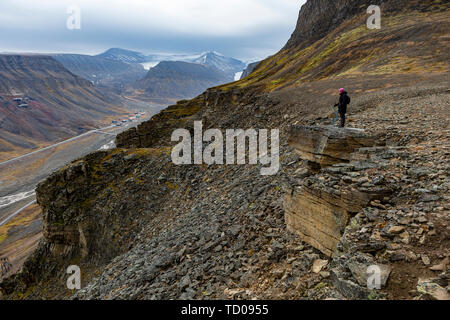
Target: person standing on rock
point(344, 100)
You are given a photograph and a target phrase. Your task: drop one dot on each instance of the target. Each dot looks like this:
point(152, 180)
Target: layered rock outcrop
point(327, 145)
point(319, 215)
point(318, 211)
point(70, 217)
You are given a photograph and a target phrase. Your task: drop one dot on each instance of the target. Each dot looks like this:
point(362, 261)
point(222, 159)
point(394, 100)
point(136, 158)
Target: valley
point(45, 99)
point(41, 102)
point(51, 107)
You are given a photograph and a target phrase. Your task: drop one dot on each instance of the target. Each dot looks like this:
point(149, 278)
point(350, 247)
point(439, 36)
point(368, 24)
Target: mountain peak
point(212, 53)
point(120, 50)
point(317, 18)
point(221, 62)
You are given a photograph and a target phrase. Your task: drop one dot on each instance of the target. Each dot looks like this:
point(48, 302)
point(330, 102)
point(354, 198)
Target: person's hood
point(345, 92)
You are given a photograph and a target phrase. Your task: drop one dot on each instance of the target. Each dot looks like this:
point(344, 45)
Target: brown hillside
point(55, 103)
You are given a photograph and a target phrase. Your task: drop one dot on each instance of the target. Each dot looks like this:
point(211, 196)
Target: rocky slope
point(210, 232)
point(41, 101)
point(247, 71)
point(332, 41)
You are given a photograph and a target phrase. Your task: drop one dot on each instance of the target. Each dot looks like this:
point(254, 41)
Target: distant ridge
point(124, 55)
point(178, 80)
point(102, 71)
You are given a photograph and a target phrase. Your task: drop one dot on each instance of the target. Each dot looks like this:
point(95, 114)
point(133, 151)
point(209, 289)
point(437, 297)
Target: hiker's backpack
point(347, 99)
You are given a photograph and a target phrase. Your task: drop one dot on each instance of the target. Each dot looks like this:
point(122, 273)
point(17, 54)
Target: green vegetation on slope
point(408, 42)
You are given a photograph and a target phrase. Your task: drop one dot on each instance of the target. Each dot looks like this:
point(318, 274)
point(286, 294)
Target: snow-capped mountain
point(219, 61)
point(214, 59)
point(229, 68)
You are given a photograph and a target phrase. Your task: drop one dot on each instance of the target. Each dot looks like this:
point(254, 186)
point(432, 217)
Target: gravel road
point(19, 177)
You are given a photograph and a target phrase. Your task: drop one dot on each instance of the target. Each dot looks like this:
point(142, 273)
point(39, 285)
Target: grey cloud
point(27, 26)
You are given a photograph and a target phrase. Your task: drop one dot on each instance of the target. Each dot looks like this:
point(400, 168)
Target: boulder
point(431, 289)
point(318, 265)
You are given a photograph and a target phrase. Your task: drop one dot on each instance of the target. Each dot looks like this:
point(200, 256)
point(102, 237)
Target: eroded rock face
point(321, 207)
point(318, 17)
point(319, 214)
point(328, 145)
point(70, 217)
point(86, 221)
point(318, 222)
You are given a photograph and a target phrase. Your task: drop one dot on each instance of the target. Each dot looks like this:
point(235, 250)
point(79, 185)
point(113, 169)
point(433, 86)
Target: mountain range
point(210, 58)
point(126, 70)
point(63, 94)
point(103, 71)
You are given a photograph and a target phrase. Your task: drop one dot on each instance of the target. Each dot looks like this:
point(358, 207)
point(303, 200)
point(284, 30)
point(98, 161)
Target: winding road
point(59, 143)
point(19, 176)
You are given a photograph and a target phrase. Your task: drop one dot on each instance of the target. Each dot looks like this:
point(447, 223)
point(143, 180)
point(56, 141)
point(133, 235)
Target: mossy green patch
point(321, 285)
point(183, 110)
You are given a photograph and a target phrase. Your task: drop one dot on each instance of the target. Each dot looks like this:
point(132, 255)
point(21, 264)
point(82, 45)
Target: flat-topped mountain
point(124, 55)
point(102, 71)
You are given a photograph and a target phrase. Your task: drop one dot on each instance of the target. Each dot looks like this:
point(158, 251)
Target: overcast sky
point(245, 29)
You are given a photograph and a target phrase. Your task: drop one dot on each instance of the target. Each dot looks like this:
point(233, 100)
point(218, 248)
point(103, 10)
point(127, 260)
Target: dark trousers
point(342, 114)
